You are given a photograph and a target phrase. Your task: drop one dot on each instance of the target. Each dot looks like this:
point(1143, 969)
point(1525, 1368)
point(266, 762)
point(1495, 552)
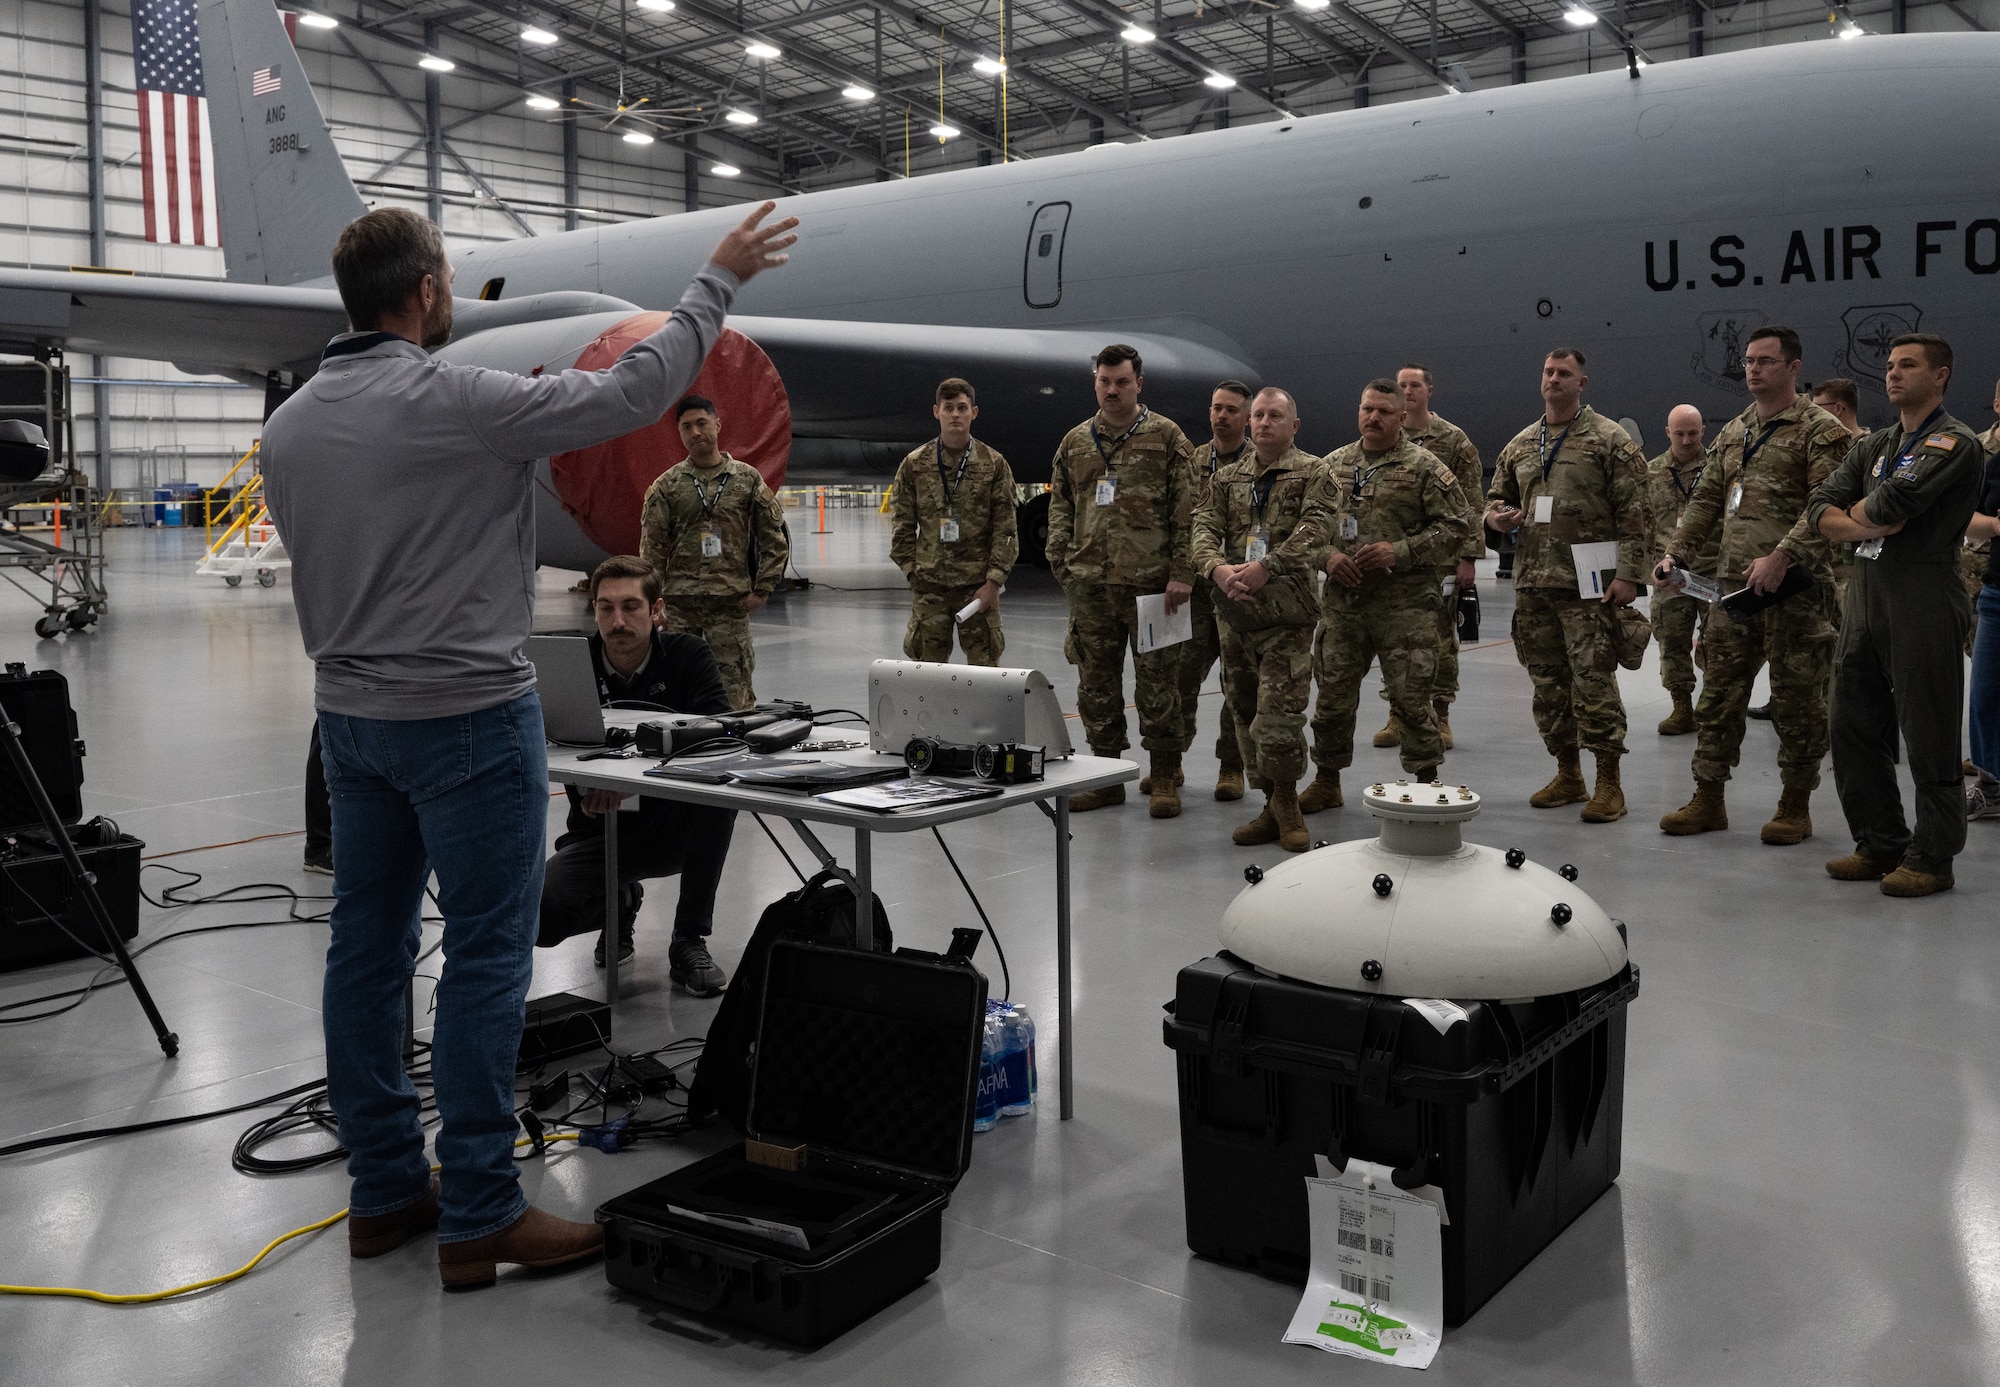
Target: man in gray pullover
point(403, 488)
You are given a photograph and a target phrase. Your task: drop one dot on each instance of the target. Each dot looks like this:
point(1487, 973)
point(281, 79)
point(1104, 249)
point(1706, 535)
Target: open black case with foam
point(860, 1121)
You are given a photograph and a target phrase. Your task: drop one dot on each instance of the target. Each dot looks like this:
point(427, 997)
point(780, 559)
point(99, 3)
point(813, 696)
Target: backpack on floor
point(819, 912)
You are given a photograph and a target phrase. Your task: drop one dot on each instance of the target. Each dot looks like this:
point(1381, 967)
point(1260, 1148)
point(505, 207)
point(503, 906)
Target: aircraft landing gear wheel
point(49, 627)
point(267, 578)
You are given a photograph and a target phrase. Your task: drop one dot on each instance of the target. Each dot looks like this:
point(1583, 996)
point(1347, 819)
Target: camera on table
point(1003, 763)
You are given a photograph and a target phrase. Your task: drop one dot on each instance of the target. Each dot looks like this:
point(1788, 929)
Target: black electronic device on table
point(51, 899)
point(860, 1115)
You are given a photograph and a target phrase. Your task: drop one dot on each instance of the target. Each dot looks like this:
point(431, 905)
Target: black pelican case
point(1514, 1113)
point(861, 1109)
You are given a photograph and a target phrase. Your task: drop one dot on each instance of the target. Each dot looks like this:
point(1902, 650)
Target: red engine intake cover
point(604, 486)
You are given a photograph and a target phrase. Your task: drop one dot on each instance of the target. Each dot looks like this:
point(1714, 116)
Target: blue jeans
point(1985, 692)
point(468, 798)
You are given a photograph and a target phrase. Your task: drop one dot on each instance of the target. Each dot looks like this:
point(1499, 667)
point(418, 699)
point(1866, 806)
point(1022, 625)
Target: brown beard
point(437, 326)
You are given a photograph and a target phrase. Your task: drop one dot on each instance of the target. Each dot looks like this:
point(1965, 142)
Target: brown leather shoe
point(371, 1235)
point(1858, 866)
point(536, 1239)
point(1908, 881)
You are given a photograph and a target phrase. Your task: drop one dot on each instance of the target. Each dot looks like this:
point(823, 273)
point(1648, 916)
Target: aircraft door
point(1041, 279)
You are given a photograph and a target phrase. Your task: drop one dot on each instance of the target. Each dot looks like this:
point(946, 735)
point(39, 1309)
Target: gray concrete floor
point(1811, 1188)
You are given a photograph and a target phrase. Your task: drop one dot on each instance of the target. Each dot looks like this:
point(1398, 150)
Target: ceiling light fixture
point(541, 37)
point(945, 132)
point(538, 102)
point(319, 21)
point(988, 67)
point(1137, 33)
point(724, 170)
point(740, 117)
point(657, 6)
point(1218, 81)
point(757, 48)
point(431, 62)
point(1578, 17)
point(1850, 30)
point(1312, 6)
point(857, 92)
point(637, 137)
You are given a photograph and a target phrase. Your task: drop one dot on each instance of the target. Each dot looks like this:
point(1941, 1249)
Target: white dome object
point(1417, 912)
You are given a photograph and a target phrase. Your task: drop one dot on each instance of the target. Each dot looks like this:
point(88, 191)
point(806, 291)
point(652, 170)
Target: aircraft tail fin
point(284, 193)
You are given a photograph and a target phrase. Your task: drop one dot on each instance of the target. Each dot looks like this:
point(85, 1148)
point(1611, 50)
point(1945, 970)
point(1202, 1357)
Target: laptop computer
point(567, 682)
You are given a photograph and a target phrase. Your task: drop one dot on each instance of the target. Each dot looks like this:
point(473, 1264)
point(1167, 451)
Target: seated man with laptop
point(634, 661)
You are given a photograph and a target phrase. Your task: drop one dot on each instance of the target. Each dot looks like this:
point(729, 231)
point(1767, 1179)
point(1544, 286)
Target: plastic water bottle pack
point(1007, 1079)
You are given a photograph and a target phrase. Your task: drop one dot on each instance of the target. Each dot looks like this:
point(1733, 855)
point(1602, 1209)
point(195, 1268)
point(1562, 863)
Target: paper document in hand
point(1596, 566)
point(1700, 588)
point(1155, 629)
point(1376, 1285)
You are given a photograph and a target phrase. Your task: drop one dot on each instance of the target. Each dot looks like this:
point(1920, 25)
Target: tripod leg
point(10, 732)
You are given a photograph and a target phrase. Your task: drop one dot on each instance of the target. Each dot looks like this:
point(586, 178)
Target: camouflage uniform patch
point(1109, 545)
point(1751, 500)
point(721, 622)
point(1198, 655)
point(931, 625)
point(1450, 445)
point(1409, 499)
point(1676, 617)
point(1266, 674)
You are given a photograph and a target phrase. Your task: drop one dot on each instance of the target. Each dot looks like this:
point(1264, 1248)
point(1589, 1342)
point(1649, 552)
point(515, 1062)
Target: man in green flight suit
point(1904, 494)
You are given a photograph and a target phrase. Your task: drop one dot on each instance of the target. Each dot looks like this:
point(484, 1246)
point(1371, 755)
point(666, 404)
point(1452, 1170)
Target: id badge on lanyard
point(1107, 489)
point(711, 542)
point(948, 529)
point(1350, 528)
point(1735, 498)
point(1256, 547)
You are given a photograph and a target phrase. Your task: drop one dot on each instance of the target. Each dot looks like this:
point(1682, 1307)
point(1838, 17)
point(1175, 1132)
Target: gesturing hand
point(747, 250)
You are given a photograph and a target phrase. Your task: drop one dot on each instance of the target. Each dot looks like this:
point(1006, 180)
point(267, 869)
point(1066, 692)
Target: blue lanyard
point(1117, 442)
point(1215, 462)
point(1260, 499)
point(1362, 479)
point(1908, 446)
point(1750, 449)
point(1548, 454)
point(951, 487)
point(1674, 477)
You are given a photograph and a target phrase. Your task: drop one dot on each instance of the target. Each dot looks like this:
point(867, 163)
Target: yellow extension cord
point(148, 1297)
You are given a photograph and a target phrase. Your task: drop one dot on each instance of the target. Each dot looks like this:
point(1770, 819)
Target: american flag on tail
point(173, 125)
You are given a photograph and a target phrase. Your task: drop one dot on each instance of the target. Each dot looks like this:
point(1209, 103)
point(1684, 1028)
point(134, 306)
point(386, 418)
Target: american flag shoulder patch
point(1941, 440)
point(264, 81)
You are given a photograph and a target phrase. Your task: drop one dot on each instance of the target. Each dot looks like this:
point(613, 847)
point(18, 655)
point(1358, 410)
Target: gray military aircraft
point(1649, 219)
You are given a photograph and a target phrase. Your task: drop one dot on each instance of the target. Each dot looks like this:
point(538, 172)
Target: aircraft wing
point(202, 324)
point(874, 381)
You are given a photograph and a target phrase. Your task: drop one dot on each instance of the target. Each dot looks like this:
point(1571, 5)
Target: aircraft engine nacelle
point(603, 487)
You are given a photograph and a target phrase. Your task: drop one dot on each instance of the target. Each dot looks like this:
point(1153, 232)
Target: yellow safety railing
point(249, 512)
point(254, 485)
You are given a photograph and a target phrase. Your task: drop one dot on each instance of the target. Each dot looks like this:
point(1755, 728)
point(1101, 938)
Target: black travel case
point(43, 916)
point(866, 1079)
point(1514, 1114)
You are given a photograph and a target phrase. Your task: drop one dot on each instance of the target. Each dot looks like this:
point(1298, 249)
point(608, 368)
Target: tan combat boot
point(1323, 793)
point(1567, 787)
point(1793, 821)
point(1146, 781)
point(1292, 835)
point(1229, 782)
point(1442, 709)
point(1607, 803)
point(1908, 881)
point(1705, 813)
point(1391, 733)
point(1097, 799)
point(1165, 796)
point(1260, 830)
point(1680, 722)
point(1859, 866)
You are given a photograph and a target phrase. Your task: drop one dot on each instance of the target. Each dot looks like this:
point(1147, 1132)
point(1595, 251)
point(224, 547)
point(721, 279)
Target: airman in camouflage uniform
point(1572, 477)
point(1450, 445)
point(1761, 470)
point(714, 532)
point(1256, 539)
point(1839, 397)
point(1670, 482)
point(1972, 555)
point(1121, 514)
point(1228, 417)
point(954, 536)
point(1396, 524)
